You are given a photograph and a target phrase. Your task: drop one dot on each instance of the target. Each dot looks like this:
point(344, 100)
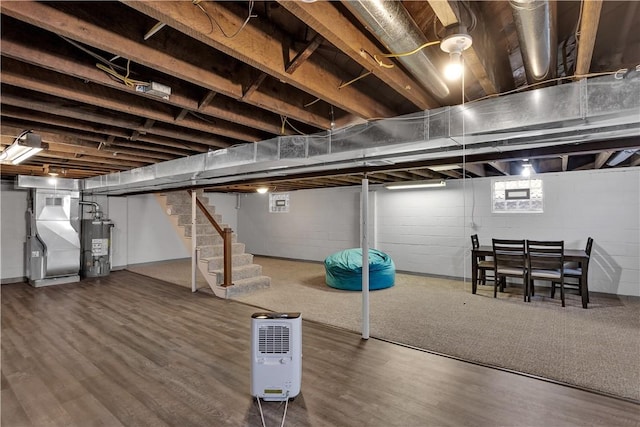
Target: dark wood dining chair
point(509, 260)
point(545, 261)
point(484, 266)
point(574, 271)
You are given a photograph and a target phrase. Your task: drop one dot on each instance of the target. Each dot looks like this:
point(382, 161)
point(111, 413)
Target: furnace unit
point(53, 244)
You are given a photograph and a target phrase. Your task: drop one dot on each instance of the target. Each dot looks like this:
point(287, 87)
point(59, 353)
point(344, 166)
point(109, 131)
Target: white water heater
point(276, 355)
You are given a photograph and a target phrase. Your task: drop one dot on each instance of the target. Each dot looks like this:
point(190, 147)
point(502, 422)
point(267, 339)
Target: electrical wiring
point(293, 127)
point(124, 79)
point(400, 55)
point(213, 21)
point(343, 85)
point(93, 54)
point(285, 121)
point(201, 117)
point(311, 103)
point(575, 76)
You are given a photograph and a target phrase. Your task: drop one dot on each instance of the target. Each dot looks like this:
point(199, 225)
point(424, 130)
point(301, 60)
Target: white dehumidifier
point(276, 355)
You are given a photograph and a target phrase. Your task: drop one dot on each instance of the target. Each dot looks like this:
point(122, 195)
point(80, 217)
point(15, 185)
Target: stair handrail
point(226, 234)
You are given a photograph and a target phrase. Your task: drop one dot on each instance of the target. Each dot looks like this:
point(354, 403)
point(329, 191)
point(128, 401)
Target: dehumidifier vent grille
point(273, 339)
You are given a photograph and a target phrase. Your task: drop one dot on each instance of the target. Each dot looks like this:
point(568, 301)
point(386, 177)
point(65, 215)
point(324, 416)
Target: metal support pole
point(365, 258)
point(194, 243)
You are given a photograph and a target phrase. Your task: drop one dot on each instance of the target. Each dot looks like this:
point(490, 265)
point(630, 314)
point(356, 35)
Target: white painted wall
point(150, 234)
point(319, 223)
point(119, 215)
point(142, 233)
point(13, 232)
point(226, 205)
point(427, 231)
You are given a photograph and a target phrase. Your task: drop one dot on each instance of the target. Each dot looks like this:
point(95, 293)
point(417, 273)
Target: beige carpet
point(597, 348)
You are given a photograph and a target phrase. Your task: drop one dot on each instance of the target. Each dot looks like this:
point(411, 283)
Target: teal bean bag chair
point(344, 270)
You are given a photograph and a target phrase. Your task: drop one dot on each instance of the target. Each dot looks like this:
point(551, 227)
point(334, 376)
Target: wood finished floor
point(134, 351)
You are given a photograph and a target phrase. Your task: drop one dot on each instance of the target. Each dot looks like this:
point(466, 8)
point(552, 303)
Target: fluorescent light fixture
point(24, 146)
point(429, 183)
point(262, 190)
point(621, 157)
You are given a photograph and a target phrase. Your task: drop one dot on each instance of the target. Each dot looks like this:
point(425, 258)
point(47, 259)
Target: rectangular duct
point(583, 111)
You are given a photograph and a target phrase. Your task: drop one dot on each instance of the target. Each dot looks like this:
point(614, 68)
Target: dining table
point(570, 255)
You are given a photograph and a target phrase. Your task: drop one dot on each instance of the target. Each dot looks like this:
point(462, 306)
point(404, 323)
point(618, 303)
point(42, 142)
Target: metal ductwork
point(536, 27)
point(390, 22)
point(589, 110)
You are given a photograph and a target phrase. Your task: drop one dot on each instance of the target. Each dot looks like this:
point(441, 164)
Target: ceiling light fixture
point(24, 146)
point(527, 169)
point(428, 183)
point(262, 190)
point(454, 44)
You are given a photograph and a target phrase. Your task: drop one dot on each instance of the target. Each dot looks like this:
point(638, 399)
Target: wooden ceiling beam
point(118, 164)
point(601, 159)
point(73, 146)
point(153, 147)
point(29, 47)
point(400, 174)
point(475, 168)
point(502, 167)
point(43, 113)
point(45, 81)
point(327, 21)
point(162, 56)
point(71, 173)
point(565, 162)
point(587, 34)
point(424, 173)
point(81, 141)
point(260, 44)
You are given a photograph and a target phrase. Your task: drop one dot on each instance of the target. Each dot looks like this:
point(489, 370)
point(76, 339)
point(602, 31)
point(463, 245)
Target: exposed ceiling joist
point(588, 30)
point(261, 46)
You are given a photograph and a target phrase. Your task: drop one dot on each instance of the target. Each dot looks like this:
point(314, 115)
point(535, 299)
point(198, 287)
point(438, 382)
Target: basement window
point(517, 195)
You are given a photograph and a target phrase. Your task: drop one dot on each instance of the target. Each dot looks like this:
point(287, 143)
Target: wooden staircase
point(246, 276)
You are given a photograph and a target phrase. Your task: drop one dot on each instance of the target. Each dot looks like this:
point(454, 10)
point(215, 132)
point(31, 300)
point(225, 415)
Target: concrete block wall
point(427, 230)
point(319, 223)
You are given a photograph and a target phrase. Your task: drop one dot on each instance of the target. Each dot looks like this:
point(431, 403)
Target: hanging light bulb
point(454, 44)
point(453, 70)
point(262, 190)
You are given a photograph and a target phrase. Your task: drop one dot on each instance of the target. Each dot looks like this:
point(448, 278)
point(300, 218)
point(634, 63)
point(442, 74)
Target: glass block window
point(517, 195)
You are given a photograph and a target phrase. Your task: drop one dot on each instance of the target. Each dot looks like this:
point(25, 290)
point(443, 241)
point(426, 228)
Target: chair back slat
point(509, 253)
point(545, 255)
